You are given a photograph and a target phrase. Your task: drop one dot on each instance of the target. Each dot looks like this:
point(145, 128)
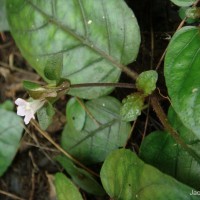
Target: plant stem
point(179, 27)
point(163, 118)
point(119, 85)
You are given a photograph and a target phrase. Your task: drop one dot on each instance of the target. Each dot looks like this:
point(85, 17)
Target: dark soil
point(29, 175)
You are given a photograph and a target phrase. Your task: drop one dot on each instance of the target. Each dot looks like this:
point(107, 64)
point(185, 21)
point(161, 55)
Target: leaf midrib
point(90, 45)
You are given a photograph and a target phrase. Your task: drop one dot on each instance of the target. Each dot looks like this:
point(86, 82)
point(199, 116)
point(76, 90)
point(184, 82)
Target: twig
point(179, 27)
point(130, 133)
point(152, 36)
point(12, 196)
point(45, 134)
point(163, 55)
point(3, 36)
point(147, 119)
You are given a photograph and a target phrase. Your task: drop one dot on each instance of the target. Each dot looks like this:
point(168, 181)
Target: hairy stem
point(119, 85)
point(163, 118)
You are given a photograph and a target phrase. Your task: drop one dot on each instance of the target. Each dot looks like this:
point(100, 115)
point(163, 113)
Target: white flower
point(28, 109)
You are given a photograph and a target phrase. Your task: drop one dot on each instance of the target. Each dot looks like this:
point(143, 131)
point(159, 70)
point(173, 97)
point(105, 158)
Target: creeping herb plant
point(81, 48)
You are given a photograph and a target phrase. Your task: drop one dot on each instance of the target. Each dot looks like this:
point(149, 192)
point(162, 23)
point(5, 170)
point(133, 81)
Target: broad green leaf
point(80, 177)
point(65, 189)
point(75, 114)
point(132, 106)
point(160, 150)
point(3, 18)
point(182, 74)
point(183, 2)
point(93, 38)
point(146, 82)
point(126, 177)
point(45, 115)
point(10, 135)
point(98, 136)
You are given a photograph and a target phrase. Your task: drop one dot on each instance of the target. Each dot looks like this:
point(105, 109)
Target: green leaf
point(100, 135)
point(75, 114)
point(132, 106)
point(65, 189)
point(183, 2)
point(160, 150)
point(10, 135)
point(93, 37)
point(193, 13)
point(182, 74)
point(126, 177)
point(37, 91)
point(7, 105)
point(146, 82)
point(182, 13)
point(80, 177)
point(45, 115)
point(34, 89)
point(28, 85)
point(3, 18)
point(54, 66)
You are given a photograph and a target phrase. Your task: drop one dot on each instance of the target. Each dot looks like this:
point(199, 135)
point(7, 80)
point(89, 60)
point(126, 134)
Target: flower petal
point(28, 108)
point(20, 102)
point(28, 118)
point(21, 111)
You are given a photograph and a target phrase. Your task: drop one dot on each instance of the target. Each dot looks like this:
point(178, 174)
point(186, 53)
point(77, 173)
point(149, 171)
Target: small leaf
point(81, 177)
point(182, 74)
point(3, 18)
point(146, 82)
point(160, 150)
point(45, 115)
point(193, 13)
point(35, 90)
point(182, 14)
point(132, 106)
point(54, 66)
point(125, 177)
point(100, 134)
point(10, 135)
point(65, 189)
point(28, 85)
point(92, 45)
point(183, 2)
point(75, 114)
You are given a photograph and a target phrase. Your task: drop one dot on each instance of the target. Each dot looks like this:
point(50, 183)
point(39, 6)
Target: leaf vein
point(62, 51)
point(84, 18)
point(86, 66)
point(107, 26)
